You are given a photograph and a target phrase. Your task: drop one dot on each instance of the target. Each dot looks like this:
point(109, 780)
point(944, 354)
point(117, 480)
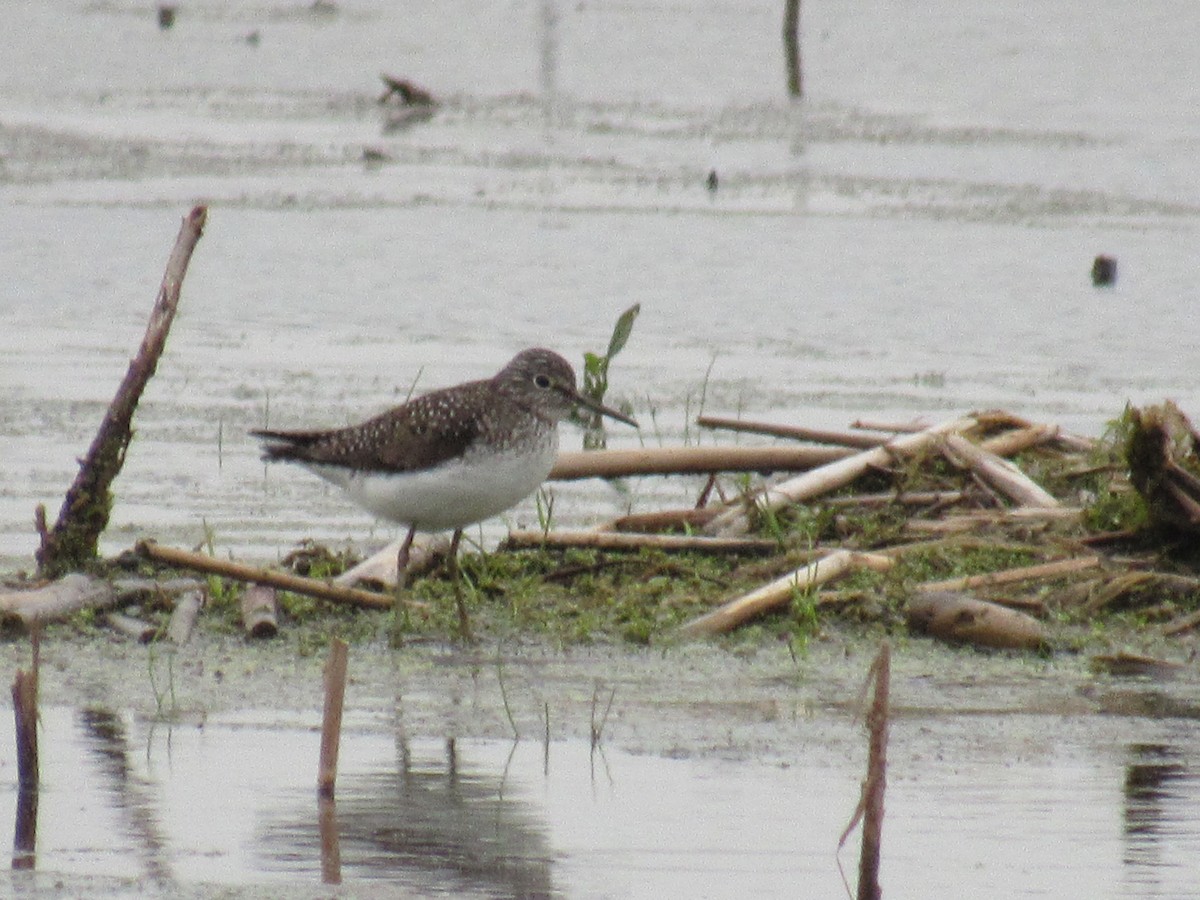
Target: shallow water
point(232, 802)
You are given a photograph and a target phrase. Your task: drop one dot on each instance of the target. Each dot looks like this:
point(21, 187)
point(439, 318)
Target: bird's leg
point(464, 621)
point(402, 559)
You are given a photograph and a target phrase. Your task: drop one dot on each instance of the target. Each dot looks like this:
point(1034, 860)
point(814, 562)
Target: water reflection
point(135, 798)
point(234, 802)
point(1159, 795)
point(430, 824)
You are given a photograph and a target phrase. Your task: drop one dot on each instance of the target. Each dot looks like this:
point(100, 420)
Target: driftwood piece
point(423, 554)
point(624, 540)
point(815, 435)
point(997, 472)
point(84, 514)
point(832, 476)
point(260, 611)
point(1016, 440)
point(1055, 569)
point(56, 600)
point(689, 460)
point(311, 587)
point(779, 592)
point(960, 618)
point(183, 617)
point(1163, 454)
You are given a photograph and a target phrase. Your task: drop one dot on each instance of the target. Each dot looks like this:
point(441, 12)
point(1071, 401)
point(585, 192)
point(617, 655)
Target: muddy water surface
point(715, 776)
point(914, 240)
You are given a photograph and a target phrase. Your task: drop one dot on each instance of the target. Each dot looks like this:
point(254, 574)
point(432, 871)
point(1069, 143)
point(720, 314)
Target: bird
point(452, 457)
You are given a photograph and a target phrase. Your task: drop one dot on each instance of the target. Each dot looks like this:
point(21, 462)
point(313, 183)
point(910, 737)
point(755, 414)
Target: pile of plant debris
point(985, 528)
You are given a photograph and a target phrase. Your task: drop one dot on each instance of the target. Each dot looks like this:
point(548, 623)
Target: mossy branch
point(73, 541)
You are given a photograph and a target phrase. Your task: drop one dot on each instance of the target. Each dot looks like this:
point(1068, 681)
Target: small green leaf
point(622, 330)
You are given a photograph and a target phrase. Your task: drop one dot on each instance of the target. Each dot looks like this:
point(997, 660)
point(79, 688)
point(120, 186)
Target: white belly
point(454, 494)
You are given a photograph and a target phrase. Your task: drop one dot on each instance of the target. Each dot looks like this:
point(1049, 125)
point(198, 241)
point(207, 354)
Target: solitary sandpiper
point(452, 457)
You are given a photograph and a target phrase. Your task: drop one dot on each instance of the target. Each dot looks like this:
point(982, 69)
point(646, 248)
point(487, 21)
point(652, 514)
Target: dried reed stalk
point(1054, 569)
point(779, 592)
point(689, 460)
point(624, 540)
point(832, 476)
point(183, 617)
point(286, 581)
point(331, 722)
point(997, 472)
point(815, 435)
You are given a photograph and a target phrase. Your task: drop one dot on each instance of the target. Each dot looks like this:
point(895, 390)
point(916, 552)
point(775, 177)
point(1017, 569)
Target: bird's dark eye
point(542, 381)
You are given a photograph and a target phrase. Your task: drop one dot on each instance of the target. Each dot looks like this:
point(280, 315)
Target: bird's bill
point(588, 403)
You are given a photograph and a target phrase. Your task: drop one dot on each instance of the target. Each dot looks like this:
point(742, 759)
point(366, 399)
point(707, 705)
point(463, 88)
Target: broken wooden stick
point(1055, 569)
point(870, 805)
point(831, 476)
point(1014, 441)
point(625, 540)
point(689, 460)
point(961, 618)
point(260, 611)
point(311, 587)
point(75, 537)
point(424, 553)
point(331, 722)
point(25, 710)
point(56, 600)
point(183, 617)
point(662, 520)
point(997, 472)
point(814, 435)
point(778, 593)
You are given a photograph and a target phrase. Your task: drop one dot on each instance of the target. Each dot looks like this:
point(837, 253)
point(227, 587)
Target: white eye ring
point(542, 381)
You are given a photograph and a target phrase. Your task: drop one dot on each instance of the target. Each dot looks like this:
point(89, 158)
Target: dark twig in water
point(597, 730)
point(870, 806)
point(24, 694)
point(504, 697)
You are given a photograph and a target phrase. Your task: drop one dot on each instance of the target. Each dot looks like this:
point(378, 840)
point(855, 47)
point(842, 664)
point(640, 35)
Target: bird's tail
point(286, 445)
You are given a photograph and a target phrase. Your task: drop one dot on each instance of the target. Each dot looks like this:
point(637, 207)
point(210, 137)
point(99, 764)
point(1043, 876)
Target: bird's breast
point(478, 485)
